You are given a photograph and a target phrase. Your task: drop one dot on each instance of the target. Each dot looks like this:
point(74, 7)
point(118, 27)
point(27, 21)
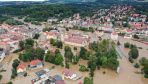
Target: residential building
point(75, 39)
point(35, 64)
point(21, 69)
point(2, 54)
point(70, 75)
point(114, 36)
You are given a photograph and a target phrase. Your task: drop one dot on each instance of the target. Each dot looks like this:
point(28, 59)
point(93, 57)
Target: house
point(2, 54)
point(43, 77)
point(145, 31)
point(3, 31)
point(35, 64)
point(128, 36)
point(69, 74)
point(54, 34)
point(43, 73)
point(44, 45)
point(58, 79)
point(136, 25)
point(21, 69)
point(2, 66)
point(4, 45)
point(75, 39)
point(114, 36)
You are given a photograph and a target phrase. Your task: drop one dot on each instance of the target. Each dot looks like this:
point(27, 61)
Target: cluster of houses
point(22, 67)
point(44, 77)
point(75, 39)
point(11, 35)
point(69, 38)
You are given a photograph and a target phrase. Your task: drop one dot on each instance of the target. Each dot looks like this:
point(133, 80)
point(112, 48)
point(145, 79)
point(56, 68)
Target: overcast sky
point(21, 0)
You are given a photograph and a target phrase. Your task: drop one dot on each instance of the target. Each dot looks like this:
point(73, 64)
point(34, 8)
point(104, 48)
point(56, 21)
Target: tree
point(1, 77)
point(55, 58)
point(27, 55)
point(31, 54)
point(67, 65)
point(93, 46)
point(10, 82)
point(75, 48)
point(136, 65)
point(14, 73)
point(59, 59)
point(145, 69)
point(36, 36)
point(92, 63)
point(13, 22)
point(112, 63)
point(39, 53)
point(75, 59)
point(14, 67)
point(21, 45)
point(68, 54)
point(118, 43)
point(83, 68)
point(126, 45)
point(88, 80)
point(30, 42)
point(91, 73)
point(52, 41)
point(103, 60)
point(15, 63)
point(59, 44)
point(49, 57)
point(143, 61)
point(135, 36)
point(133, 53)
point(84, 54)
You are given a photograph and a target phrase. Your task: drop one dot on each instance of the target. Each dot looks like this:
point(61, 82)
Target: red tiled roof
point(114, 33)
point(3, 43)
point(54, 33)
point(21, 66)
point(67, 72)
point(129, 30)
point(135, 15)
point(35, 62)
point(75, 38)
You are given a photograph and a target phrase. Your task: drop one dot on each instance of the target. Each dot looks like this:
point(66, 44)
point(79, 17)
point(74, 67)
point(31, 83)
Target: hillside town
point(62, 52)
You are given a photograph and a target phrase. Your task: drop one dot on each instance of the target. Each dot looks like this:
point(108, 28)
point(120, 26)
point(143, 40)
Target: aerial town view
point(73, 41)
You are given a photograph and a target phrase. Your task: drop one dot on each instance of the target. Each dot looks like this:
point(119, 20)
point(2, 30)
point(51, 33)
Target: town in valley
point(96, 42)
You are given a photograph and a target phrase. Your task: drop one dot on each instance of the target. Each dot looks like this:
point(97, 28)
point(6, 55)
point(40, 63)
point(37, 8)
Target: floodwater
point(127, 74)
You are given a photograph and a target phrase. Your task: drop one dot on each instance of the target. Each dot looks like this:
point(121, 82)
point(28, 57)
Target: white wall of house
point(21, 70)
point(128, 36)
point(2, 56)
point(114, 37)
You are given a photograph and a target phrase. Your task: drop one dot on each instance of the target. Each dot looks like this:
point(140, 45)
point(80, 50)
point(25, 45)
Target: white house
point(114, 36)
point(2, 54)
point(21, 69)
point(128, 36)
point(69, 74)
point(36, 64)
